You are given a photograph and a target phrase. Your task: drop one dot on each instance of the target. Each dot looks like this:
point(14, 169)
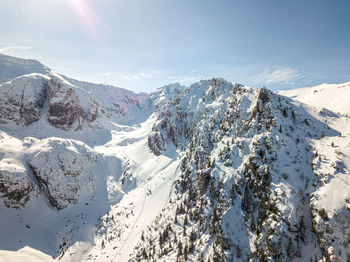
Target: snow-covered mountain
point(215, 171)
point(331, 96)
point(12, 67)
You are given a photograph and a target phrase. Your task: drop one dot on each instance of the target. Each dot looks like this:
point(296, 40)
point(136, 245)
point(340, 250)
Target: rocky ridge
point(244, 192)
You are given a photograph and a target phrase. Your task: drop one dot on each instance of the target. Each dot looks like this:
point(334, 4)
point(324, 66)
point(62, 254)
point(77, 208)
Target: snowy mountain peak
point(214, 171)
point(12, 67)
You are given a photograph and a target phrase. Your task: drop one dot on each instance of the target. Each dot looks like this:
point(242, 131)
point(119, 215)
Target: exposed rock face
point(157, 142)
point(115, 101)
point(178, 109)
point(71, 104)
point(64, 171)
point(171, 121)
point(22, 100)
point(15, 188)
point(94, 111)
point(168, 127)
point(65, 110)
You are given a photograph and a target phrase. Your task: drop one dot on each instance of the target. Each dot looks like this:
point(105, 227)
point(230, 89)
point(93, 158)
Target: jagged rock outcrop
point(171, 120)
point(16, 187)
point(65, 110)
point(179, 108)
point(22, 100)
point(71, 104)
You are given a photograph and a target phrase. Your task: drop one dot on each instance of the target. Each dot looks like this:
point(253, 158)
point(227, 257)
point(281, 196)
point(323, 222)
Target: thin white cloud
point(284, 75)
point(108, 73)
point(14, 48)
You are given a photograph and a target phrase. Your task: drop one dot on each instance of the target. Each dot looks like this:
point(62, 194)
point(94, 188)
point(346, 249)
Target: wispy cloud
point(283, 75)
point(107, 73)
point(14, 48)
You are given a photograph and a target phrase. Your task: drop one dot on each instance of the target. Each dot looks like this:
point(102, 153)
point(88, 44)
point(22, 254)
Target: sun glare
point(88, 17)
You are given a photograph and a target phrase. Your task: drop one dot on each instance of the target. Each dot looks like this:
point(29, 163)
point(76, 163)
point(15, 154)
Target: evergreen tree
point(179, 248)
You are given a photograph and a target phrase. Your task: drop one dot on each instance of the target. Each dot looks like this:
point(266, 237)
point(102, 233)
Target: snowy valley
point(214, 171)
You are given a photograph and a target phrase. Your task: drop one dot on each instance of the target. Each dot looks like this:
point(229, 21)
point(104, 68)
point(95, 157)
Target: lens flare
point(88, 17)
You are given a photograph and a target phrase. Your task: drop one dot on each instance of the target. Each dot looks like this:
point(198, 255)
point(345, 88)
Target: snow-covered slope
point(12, 67)
point(25, 254)
point(215, 171)
point(332, 96)
point(330, 201)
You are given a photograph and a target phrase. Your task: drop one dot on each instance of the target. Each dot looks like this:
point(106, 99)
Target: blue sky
point(144, 44)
